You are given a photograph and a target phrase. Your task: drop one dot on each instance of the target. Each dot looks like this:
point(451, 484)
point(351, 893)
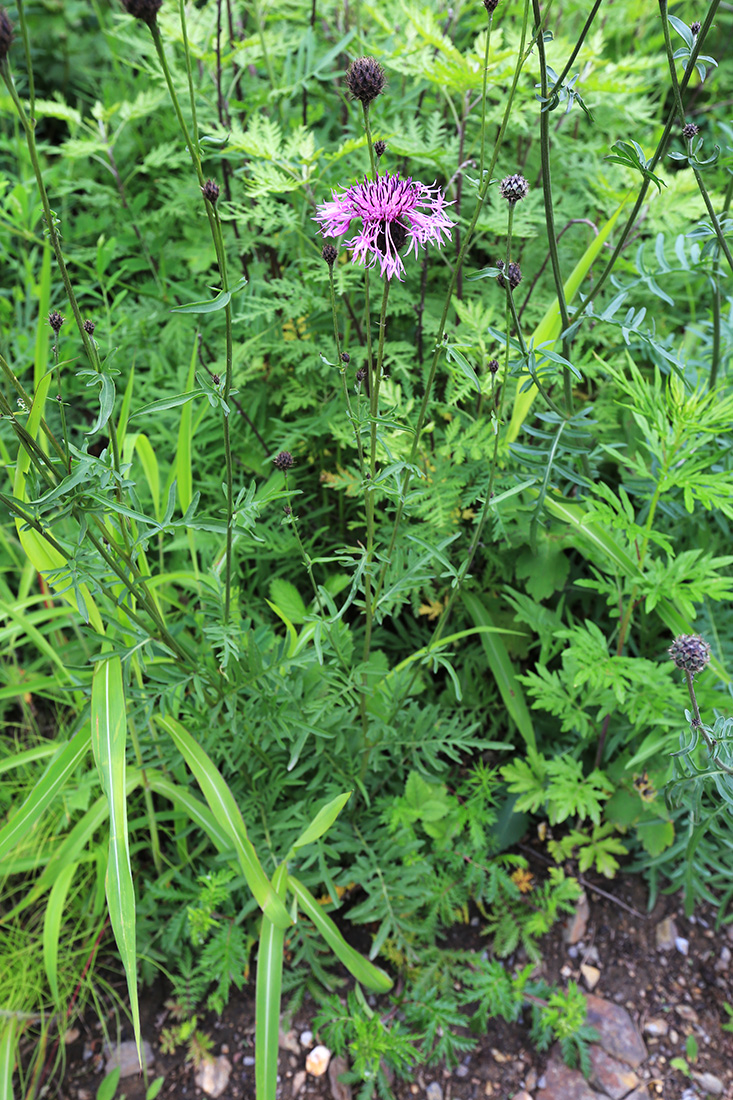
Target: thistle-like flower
point(514, 188)
point(329, 254)
point(393, 212)
point(380, 148)
point(55, 320)
point(210, 191)
point(283, 460)
point(6, 34)
point(690, 652)
point(365, 79)
point(695, 28)
point(515, 275)
point(89, 327)
point(689, 131)
point(147, 10)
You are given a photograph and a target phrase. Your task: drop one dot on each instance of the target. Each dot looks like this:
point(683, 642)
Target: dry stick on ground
point(589, 885)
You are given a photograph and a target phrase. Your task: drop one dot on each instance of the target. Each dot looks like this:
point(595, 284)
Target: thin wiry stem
point(681, 114)
point(522, 56)
point(217, 238)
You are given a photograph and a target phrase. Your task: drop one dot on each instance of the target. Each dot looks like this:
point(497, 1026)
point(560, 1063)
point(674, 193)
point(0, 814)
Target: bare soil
point(686, 991)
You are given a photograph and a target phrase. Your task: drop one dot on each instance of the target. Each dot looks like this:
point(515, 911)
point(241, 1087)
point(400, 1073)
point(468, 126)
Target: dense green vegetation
point(320, 583)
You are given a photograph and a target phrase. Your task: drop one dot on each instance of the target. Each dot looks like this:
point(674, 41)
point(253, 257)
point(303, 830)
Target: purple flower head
point(392, 212)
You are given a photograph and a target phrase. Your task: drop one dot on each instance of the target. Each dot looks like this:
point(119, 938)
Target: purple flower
point(392, 212)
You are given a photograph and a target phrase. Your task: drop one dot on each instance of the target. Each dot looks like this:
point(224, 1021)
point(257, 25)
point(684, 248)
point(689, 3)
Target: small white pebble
point(306, 1038)
point(682, 945)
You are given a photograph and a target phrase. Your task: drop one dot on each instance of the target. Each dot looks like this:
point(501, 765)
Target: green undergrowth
point(321, 587)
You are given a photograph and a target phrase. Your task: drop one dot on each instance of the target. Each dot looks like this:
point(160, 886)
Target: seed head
point(6, 34)
point(513, 188)
point(491, 6)
point(695, 28)
point(210, 191)
point(283, 461)
point(380, 148)
point(89, 327)
point(55, 320)
point(690, 652)
point(365, 79)
point(492, 366)
point(690, 131)
point(514, 272)
point(146, 10)
point(329, 254)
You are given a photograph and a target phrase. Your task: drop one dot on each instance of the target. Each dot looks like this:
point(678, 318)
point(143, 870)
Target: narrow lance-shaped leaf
point(226, 812)
point(364, 971)
point(109, 726)
point(321, 823)
point(268, 995)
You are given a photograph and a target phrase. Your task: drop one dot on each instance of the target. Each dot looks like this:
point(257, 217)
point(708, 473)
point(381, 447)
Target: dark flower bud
point(690, 652)
point(55, 320)
point(690, 131)
point(492, 366)
point(210, 191)
point(345, 357)
point(491, 6)
point(514, 272)
point(287, 510)
point(283, 461)
point(380, 148)
point(695, 28)
point(147, 10)
point(365, 79)
point(216, 379)
point(89, 327)
point(513, 188)
point(329, 254)
point(6, 34)
point(362, 375)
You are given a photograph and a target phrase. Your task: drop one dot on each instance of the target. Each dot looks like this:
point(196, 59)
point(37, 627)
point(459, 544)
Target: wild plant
point(303, 552)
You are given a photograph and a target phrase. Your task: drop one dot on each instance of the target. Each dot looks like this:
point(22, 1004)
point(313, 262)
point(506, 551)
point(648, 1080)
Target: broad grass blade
point(225, 810)
point(199, 813)
point(109, 727)
point(268, 995)
point(63, 765)
point(320, 824)
point(364, 971)
point(8, 1028)
point(502, 669)
point(52, 920)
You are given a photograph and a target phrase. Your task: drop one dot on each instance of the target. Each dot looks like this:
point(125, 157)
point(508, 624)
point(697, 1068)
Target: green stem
point(217, 238)
point(368, 132)
point(307, 562)
point(374, 417)
point(717, 301)
point(28, 127)
point(549, 210)
point(658, 154)
point(522, 56)
point(681, 114)
point(342, 369)
point(576, 50)
point(483, 98)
